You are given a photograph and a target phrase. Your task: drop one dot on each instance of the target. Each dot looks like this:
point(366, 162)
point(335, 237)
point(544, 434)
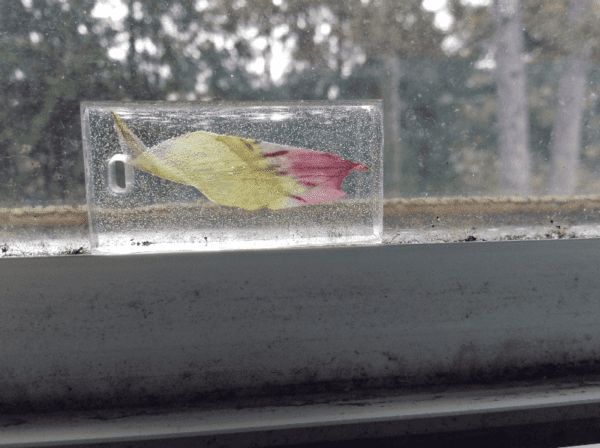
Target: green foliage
point(55, 54)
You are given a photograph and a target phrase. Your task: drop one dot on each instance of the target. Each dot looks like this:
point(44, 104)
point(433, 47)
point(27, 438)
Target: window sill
point(91, 332)
point(547, 414)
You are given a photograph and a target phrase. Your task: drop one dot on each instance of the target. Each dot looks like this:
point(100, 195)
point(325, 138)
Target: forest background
point(480, 97)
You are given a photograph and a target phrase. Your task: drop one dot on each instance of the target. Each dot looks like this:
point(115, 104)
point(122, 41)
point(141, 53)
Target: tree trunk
point(515, 158)
point(566, 138)
point(391, 115)
point(131, 63)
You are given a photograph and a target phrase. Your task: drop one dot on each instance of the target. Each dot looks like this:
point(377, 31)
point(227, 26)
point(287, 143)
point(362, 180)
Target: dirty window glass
point(491, 108)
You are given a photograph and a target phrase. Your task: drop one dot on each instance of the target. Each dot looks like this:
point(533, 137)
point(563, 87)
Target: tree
point(54, 54)
point(49, 61)
point(384, 31)
point(390, 88)
point(566, 144)
point(391, 31)
point(515, 158)
point(567, 32)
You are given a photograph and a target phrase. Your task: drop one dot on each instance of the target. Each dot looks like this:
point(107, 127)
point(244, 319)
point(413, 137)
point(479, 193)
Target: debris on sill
point(79, 251)
point(512, 233)
point(63, 230)
point(476, 219)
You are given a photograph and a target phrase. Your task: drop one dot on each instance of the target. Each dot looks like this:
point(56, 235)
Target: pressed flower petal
point(240, 172)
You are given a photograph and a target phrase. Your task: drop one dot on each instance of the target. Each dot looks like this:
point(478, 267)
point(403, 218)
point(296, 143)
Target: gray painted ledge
point(90, 331)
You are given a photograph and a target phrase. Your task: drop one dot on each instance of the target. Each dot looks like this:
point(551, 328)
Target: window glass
point(492, 110)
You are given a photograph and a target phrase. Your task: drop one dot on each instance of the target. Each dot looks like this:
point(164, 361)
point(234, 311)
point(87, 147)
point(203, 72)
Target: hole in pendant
point(120, 174)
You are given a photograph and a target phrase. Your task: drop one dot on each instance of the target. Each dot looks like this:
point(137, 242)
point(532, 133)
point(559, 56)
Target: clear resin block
point(164, 177)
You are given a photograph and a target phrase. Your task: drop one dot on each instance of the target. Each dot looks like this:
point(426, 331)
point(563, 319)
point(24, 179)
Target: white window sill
point(94, 331)
point(538, 411)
